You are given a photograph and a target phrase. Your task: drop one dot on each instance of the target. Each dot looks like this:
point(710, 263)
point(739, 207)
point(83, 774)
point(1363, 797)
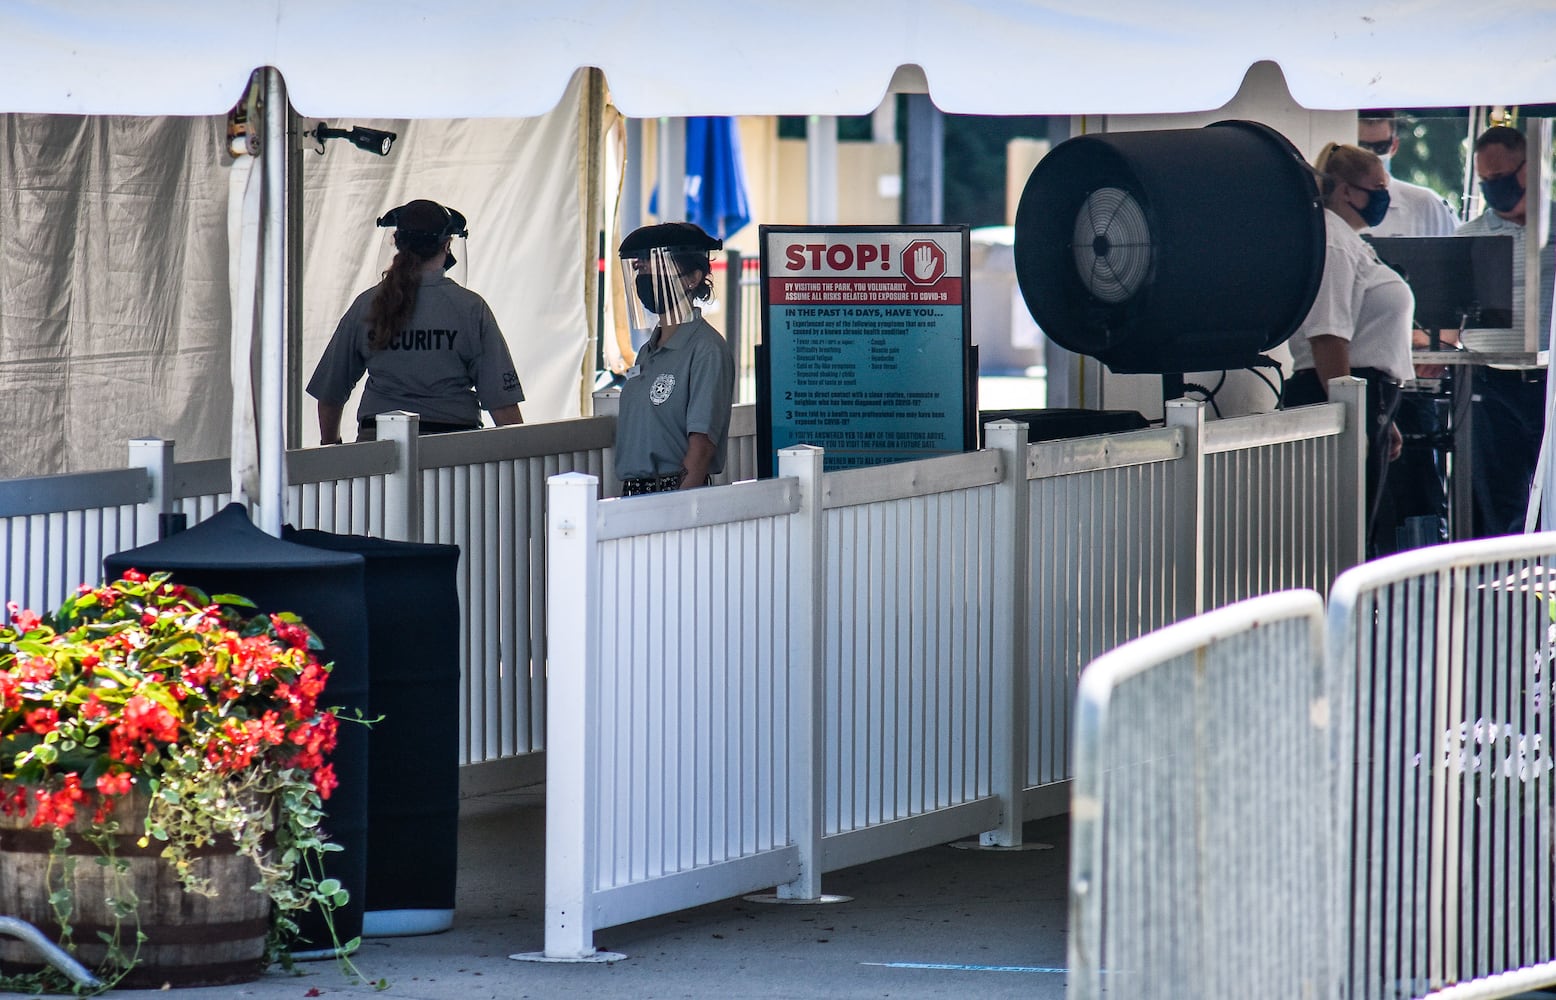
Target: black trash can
point(413, 750)
point(228, 554)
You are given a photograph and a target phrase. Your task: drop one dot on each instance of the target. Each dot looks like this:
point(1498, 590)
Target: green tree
point(1434, 151)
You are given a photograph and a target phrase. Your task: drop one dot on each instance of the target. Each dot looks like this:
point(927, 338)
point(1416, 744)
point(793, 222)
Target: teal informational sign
point(865, 333)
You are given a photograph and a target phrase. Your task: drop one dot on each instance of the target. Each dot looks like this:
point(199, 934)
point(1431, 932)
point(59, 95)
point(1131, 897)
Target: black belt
point(369, 428)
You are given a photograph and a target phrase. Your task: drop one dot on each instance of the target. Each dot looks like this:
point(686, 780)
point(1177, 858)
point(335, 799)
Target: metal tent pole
point(273, 307)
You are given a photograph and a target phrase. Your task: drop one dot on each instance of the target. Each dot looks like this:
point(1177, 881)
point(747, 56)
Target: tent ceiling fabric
point(497, 58)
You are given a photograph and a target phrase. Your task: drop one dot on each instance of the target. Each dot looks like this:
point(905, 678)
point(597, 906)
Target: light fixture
point(370, 139)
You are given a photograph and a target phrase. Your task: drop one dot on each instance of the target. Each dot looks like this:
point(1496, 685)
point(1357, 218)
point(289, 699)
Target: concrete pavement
point(940, 922)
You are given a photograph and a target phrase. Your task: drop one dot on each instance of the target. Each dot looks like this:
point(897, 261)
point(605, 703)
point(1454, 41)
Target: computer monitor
point(1457, 280)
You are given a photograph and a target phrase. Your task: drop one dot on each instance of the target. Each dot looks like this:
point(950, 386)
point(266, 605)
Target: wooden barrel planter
point(191, 940)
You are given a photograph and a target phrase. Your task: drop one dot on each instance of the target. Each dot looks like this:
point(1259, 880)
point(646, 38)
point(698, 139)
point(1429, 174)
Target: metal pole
point(923, 196)
point(629, 215)
point(821, 169)
point(51, 952)
point(672, 169)
point(733, 267)
point(294, 282)
point(273, 307)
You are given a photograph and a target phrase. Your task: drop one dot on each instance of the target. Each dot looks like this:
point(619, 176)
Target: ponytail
point(395, 300)
point(1339, 161)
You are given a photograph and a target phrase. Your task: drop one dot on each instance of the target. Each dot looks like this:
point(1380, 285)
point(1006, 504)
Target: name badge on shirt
point(634, 371)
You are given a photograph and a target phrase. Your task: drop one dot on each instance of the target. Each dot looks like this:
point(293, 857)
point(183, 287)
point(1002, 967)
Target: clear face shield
point(659, 283)
point(457, 249)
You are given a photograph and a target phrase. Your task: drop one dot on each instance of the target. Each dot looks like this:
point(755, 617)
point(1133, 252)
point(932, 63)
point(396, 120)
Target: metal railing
point(1197, 786)
point(1201, 818)
point(1443, 660)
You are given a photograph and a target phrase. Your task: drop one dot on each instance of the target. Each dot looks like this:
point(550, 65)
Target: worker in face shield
point(672, 428)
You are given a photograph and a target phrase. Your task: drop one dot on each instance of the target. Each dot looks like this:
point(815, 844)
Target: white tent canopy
point(499, 58)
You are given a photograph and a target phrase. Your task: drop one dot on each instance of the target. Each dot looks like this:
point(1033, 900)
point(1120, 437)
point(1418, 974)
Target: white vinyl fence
point(1131, 532)
point(683, 754)
point(1110, 548)
point(958, 598)
point(913, 599)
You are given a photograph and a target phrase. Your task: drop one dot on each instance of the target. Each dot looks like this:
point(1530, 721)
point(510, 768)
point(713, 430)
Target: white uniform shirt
point(1362, 300)
point(1415, 211)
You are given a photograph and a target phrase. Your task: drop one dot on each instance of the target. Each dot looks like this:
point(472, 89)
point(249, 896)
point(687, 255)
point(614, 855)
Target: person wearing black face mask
point(1508, 416)
point(1361, 317)
point(672, 426)
point(1413, 210)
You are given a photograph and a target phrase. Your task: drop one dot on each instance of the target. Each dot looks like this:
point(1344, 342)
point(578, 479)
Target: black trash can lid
point(227, 541)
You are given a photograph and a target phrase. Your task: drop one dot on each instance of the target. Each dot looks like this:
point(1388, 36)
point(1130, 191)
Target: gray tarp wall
point(114, 294)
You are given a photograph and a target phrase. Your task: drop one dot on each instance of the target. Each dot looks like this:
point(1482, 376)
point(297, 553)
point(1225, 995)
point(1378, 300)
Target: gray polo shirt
point(683, 387)
point(449, 361)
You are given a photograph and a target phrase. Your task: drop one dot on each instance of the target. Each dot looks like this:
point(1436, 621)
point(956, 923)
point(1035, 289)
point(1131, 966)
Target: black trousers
point(1507, 424)
point(1303, 388)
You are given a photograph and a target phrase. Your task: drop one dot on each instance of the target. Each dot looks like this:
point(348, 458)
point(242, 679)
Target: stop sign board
point(865, 349)
point(923, 262)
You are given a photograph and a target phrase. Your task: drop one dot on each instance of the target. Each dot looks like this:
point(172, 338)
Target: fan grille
point(1112, 245)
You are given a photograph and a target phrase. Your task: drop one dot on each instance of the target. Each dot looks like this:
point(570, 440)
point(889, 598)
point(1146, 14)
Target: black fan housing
point(1171, 251)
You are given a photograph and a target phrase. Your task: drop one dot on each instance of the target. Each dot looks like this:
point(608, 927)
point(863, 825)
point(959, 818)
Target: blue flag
point(715, 178)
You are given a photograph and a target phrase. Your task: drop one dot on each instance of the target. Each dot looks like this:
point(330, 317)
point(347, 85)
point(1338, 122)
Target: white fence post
point(573, 623)
point(807, 671)
point(156, 457)
point(402, 487)
point(1011, 552)
point(1189, 524)
point(1352, 524)
point(607, 403)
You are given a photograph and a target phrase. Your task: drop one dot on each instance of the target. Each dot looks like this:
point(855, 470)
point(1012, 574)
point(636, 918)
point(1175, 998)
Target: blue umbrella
point(715, 177)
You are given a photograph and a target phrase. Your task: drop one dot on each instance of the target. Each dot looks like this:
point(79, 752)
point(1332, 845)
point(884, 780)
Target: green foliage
point(1434, 152)
point(152, 699)
point(974, 179)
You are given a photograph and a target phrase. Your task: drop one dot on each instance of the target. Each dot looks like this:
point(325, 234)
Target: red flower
point(10, 692)
point(324, 780)
point(134, 576)
point(58, 808)
point(115, 783)
point(93, 708)
point(33, 669)
point(42, 720)
point(22, 618)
